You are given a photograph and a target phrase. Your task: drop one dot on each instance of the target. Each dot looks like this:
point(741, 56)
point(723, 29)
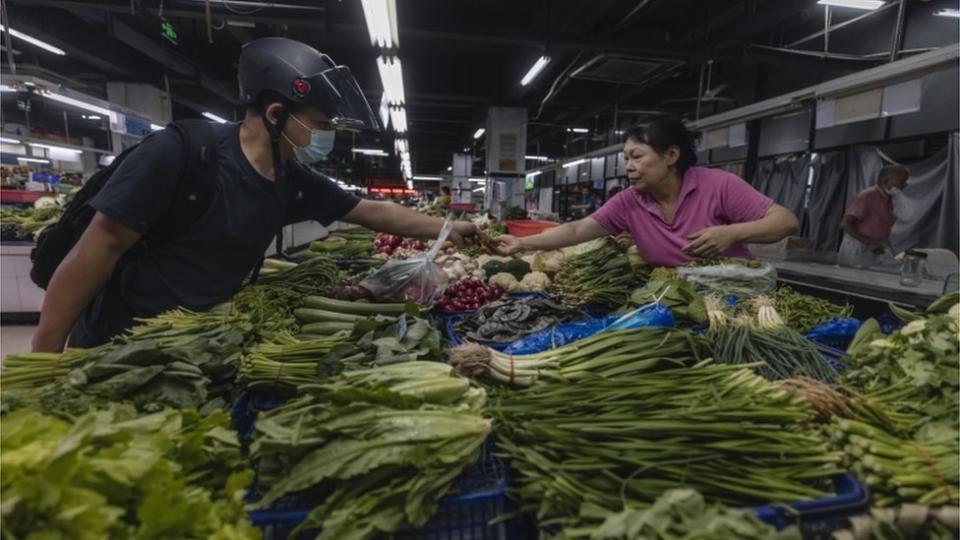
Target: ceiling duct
point(618, 68)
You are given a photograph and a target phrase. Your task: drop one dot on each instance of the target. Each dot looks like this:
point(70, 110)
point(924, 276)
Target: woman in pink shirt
point(676, 212)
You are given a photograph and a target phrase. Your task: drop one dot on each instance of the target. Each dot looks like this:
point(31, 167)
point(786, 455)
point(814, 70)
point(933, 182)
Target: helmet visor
point(338, 95)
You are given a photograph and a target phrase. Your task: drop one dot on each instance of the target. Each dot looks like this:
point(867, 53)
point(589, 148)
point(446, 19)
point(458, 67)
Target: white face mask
point(321, 144)
point(894, 192)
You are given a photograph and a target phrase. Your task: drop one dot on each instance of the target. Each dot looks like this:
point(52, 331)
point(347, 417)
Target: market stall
point(380, 385)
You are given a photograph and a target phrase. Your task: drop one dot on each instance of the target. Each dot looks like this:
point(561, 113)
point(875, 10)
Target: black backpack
point(195, 189)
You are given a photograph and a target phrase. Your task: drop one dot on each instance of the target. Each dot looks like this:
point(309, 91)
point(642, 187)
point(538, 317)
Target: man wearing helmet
point(297, 99)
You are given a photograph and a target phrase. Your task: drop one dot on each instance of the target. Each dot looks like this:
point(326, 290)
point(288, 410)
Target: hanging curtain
point(927, 213)
point(785, 181)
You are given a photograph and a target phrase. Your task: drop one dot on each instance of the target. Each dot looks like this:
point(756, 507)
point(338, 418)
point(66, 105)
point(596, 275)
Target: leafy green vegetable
point(373, 450)
point(683, 514)
point(596, 272)
point(679, 295)
point(112, 474)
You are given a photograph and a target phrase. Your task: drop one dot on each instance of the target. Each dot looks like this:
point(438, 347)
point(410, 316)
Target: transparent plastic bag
point(418, 278)
point(736, 279)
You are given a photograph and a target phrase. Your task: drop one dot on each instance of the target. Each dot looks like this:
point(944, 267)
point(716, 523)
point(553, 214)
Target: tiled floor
point(15, 338)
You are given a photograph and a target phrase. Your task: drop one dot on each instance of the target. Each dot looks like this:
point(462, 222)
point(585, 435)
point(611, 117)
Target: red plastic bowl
point(528, 227)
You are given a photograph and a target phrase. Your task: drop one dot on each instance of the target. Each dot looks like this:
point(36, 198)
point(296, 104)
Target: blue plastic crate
point(820, 515)
point(480, 496)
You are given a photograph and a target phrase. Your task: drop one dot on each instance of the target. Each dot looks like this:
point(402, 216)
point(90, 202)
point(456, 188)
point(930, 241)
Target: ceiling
point(613, 61)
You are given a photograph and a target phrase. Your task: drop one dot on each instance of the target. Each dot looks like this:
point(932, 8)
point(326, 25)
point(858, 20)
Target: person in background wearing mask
point(675, 212)
point(296, 98)
point(869, 217)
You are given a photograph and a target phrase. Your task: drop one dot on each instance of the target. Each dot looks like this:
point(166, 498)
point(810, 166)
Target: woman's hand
point(711, 242)
point(507, 245)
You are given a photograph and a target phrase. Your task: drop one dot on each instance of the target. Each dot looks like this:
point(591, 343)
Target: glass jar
point(913, 268)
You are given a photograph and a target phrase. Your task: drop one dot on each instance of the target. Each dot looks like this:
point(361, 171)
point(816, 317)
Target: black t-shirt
point(208, 262)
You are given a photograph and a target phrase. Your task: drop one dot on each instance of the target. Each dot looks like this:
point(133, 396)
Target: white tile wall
point(17, 293)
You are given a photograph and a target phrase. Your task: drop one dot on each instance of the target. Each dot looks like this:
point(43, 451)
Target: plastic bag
point(737, 279)
point(561, 334)
point(837, 332)
point(418, 278)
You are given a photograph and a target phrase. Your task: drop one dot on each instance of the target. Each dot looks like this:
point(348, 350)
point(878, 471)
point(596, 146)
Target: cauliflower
point(547, 262)
point(534, 281)
point(506, 281)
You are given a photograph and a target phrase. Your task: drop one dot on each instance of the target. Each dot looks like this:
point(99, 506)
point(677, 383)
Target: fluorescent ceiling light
point(450, 168)
point(537, 158)
point(479, 133)
point(578, 130)
point(155, 127)
point(535, 70)
point(401, 146)
point(369, 151)
point(955, 13)
point(476, 180)
point(33, 41)
point(381, 17)
point(481, 188)
point(391, 77)
point(32, 160)
point(214, 117)
point(91, 117)
point(428, 178)
point(534, 173)
point(856, 4)
point(398, 117)
point(574, 163)
point(9, 141)
point(79, 104)
point(52, 147)
point(7, 88)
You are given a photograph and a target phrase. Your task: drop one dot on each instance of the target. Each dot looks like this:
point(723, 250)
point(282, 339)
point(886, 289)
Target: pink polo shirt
point(708, 197)
point(873, 211)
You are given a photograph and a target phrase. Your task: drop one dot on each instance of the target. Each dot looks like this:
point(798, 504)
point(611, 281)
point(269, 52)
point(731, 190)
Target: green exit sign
point(168, 31)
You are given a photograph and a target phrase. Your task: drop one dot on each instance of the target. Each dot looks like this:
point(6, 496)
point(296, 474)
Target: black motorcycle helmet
point(304, 75)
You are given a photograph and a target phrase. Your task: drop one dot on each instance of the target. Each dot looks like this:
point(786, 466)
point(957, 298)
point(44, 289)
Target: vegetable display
point(26, 223)
point(113, 474)
point(743, 278)
point(617, 353)
point(803, 312)
point(355, 241)
point(683, 514)
point(504, 321)
point(372, 451)
point(596, 273)
point(781, 352)
point(605, 443)
point(679, 295)
point(469, 295)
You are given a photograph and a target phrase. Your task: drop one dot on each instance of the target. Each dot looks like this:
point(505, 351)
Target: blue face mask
point(321, 144)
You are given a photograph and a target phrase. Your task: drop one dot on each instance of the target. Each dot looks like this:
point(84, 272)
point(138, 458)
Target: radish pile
point(469, 295)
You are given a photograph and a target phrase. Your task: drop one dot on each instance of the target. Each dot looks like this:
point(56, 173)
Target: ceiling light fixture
point(428, 178)
point(578, 130)
point(381, 17)
point(7, 88)
point(391, 77)
point(79, 104)
point(574, 163)
point(537, 158)
point(856, 4)
point(370, 152)
point(945, 12)
point(535, 70)
point(9, 141)
point(52, 147)
point(32, 160)
point(476, 180)
point(215, 118)
point(479, 133)
point(398, 117)
point(534, 173)
point(33, 41)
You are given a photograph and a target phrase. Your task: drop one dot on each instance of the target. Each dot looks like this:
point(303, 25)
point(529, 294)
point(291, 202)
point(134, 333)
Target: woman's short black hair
point(663, 132)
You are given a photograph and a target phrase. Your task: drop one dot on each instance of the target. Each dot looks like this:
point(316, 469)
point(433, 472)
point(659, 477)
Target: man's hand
point(464, 233)
point(711, 242)
point(507, 245)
